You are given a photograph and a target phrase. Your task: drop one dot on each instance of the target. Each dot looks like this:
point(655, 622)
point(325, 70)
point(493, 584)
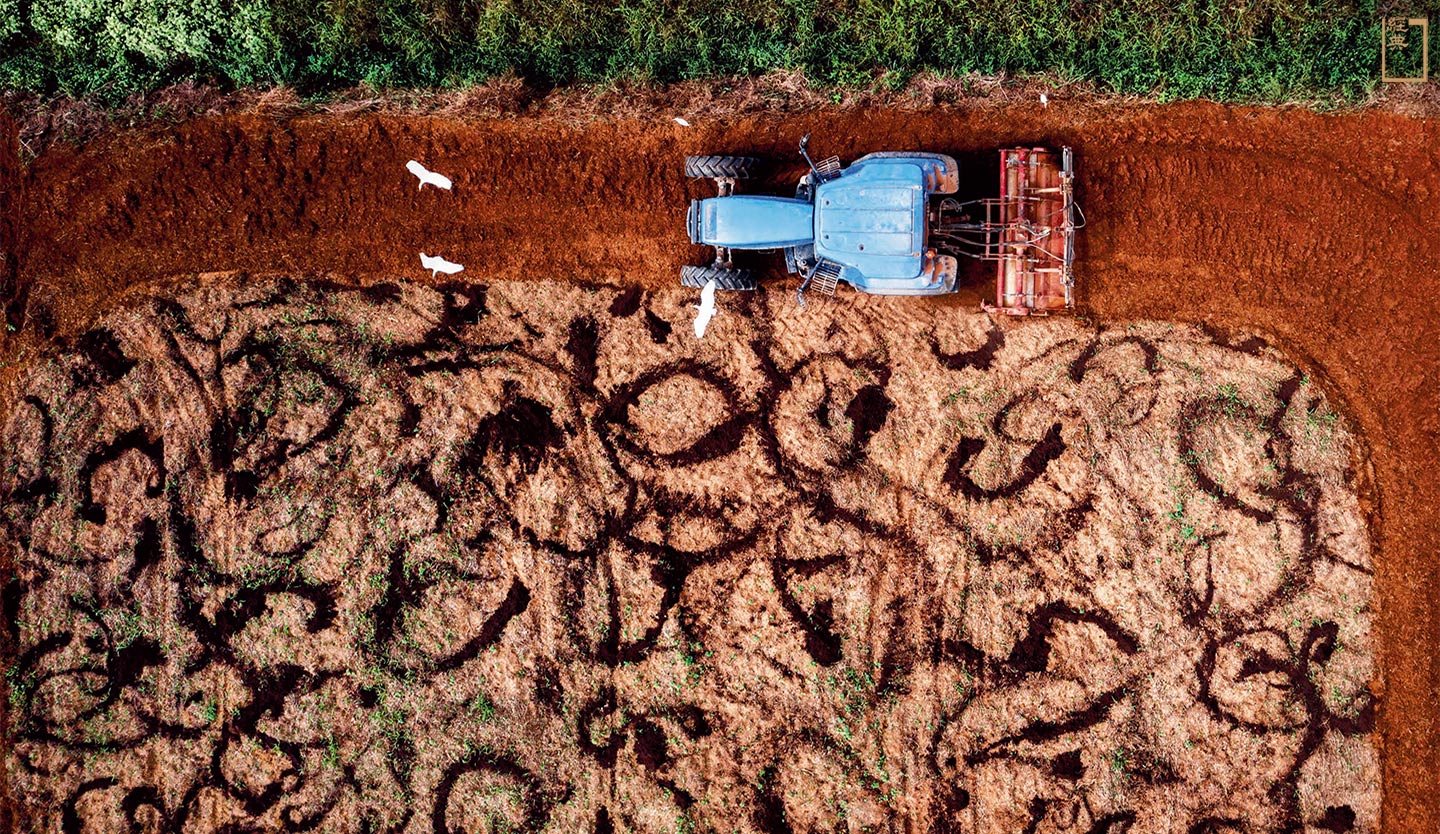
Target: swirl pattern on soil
point(298, 556)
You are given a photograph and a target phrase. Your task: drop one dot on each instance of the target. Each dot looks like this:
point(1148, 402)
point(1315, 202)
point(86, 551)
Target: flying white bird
point(681, 122)
point(435, 264)
point(706, 308)
point(427, 176)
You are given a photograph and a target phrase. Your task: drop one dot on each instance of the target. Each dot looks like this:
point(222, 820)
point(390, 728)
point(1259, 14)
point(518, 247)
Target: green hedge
point(1263, 49)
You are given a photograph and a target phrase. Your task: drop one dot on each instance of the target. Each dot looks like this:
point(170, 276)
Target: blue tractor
point(884, 225)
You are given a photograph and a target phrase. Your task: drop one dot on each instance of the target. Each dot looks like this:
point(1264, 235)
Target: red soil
point(1316, 229)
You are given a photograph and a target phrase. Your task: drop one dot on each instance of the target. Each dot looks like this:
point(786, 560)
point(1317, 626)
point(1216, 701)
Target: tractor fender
point(942, 172)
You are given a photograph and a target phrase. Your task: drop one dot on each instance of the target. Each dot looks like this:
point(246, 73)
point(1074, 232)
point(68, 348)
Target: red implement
point(1031, 232)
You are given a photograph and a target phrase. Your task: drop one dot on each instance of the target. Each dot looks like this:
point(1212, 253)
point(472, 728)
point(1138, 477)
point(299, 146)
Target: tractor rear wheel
point(725, 279)
point(715, 167)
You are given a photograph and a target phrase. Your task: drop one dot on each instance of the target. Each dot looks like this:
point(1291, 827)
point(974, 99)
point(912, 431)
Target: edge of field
point(41, 121)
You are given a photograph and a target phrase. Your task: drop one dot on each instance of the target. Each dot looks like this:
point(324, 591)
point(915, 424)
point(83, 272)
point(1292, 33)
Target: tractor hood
point(751, 222)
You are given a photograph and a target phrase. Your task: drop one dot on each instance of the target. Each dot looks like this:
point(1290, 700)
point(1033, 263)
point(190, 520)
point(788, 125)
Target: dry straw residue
point(292, 555)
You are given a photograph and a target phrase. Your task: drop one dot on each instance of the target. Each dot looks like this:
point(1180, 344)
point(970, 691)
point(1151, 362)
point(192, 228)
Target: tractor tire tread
point(715, 167)
point(725, 279)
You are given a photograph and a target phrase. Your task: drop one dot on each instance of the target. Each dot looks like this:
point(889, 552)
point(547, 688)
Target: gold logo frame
point(1395, 31)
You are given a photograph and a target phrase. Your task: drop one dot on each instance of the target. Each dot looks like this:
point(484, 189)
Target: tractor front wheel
point(717, 167)
point(725, 279)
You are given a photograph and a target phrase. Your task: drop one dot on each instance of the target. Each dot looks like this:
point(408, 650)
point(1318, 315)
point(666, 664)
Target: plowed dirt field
point(1313, 231)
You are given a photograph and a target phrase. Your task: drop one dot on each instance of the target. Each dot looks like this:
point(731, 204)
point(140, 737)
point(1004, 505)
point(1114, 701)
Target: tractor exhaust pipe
point(826, 170)
point(814, 172)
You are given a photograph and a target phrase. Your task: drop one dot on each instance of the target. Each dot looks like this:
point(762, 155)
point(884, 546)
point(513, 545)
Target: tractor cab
point(870, 225)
